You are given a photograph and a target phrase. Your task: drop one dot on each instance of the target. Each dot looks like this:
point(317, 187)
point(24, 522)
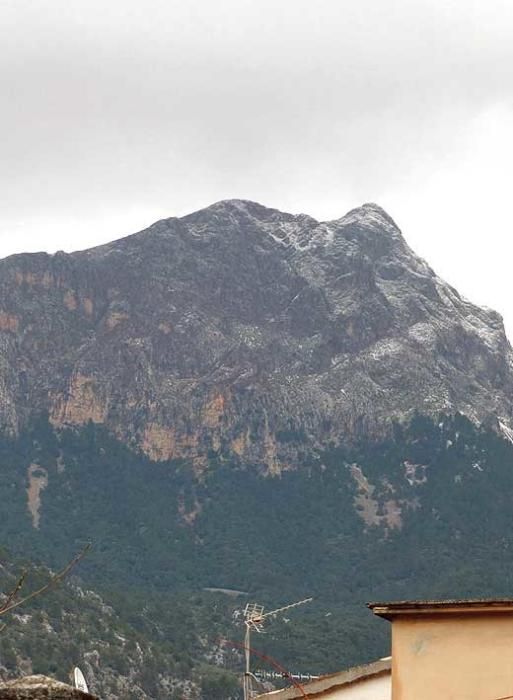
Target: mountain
point(245, 405)
point(243, 330)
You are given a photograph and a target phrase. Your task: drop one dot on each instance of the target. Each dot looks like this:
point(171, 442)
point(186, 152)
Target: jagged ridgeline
point(239, 327)
point(245, 405)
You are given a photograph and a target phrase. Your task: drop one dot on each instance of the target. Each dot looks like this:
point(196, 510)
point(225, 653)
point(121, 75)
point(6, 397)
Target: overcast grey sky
point(115, 114)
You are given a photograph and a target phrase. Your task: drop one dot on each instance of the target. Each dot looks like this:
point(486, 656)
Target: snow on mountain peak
point(370, 216)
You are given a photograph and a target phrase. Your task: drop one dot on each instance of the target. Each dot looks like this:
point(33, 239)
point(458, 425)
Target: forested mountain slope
point(425, 513)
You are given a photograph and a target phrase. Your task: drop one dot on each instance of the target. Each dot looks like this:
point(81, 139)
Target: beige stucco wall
point(452, 657)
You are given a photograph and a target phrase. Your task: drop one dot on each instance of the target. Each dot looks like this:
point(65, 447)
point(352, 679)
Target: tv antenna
point(255, 619)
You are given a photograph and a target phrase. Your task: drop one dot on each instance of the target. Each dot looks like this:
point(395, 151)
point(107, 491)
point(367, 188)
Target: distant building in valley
point(450, 649)
point(369, 682)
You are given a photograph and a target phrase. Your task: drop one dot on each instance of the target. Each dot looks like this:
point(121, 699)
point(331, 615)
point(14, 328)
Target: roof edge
point(320, 686)
point(441, 607)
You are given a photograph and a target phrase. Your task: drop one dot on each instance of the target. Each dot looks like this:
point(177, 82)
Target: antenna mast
point(254, 619)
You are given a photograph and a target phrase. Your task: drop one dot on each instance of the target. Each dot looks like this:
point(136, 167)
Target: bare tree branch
point(51, 583)
point(12, 595)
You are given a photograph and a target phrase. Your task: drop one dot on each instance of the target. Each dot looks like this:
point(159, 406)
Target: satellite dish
point(79, 680)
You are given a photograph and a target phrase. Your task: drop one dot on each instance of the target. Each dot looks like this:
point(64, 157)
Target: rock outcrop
point(245, 330)
point(40, 688)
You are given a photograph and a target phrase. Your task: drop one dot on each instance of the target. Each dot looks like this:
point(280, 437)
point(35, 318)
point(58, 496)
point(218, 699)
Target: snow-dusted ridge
point(370, 216)
point(180, 336)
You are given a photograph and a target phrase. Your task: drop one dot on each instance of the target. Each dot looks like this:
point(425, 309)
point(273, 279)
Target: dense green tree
point(162, 536)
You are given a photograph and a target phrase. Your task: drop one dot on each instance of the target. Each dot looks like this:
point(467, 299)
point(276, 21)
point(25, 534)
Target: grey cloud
point(177, 101)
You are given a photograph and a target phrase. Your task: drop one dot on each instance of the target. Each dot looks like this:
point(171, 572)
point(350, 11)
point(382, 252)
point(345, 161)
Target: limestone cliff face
point(246, 330)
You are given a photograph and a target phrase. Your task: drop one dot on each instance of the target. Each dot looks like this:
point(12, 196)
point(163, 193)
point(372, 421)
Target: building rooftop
point(325, 684)
point(441, 607)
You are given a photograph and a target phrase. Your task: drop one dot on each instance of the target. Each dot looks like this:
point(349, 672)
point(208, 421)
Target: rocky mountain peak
point(230, 327)
point(241, 210)
point(370, 216)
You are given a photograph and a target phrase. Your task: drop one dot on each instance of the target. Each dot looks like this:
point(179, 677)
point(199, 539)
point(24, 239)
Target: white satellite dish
point(79, 680)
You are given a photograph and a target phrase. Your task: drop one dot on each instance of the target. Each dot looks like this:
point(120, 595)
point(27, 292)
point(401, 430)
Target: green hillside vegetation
point(161, 536)
point(70, 625)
